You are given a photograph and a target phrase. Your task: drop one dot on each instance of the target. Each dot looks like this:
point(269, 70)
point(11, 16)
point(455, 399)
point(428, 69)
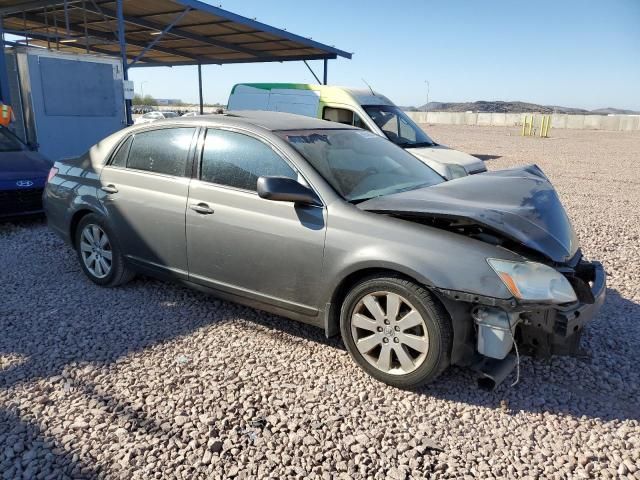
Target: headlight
point(455, 171)
point(535, 282)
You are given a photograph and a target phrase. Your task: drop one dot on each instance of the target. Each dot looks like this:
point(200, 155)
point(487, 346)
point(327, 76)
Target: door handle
point(109, 189)
point(202, 208)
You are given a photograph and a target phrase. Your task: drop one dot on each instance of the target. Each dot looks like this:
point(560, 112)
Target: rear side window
point(120, 157)
point(163, 151)
point(238, 160)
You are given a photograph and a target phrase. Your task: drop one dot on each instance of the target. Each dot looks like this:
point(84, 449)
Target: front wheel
point(99, 254)
point(396, 331)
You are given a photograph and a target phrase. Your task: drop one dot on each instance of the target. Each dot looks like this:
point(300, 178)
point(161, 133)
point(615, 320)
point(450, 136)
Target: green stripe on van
point(271, 86)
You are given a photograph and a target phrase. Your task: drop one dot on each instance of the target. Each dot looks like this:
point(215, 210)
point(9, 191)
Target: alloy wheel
point(389, 333)
point(96, 252)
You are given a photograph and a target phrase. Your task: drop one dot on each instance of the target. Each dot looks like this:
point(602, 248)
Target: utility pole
point(123, 54)
point(426, 105)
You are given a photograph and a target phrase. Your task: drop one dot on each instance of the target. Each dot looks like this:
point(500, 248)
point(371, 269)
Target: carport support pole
point(200, 88)
point(123, 54)
point(324, 77)
point(5, 95)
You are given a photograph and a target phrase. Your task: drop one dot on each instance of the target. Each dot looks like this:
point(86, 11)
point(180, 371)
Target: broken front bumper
point(557, 331)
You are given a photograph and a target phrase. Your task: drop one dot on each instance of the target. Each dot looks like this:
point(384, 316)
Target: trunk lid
point(519, 203)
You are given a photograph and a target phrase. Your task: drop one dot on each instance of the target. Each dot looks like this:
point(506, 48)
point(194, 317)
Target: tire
point(90, 234)
point(421, 331)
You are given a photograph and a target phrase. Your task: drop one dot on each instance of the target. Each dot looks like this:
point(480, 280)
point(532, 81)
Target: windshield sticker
point(367, 134)
point(313, 138)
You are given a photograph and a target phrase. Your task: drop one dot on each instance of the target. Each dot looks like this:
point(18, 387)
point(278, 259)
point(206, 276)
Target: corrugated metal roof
point(199, 33)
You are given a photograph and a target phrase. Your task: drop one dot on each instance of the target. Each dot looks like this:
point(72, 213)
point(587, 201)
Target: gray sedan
point(339, 228)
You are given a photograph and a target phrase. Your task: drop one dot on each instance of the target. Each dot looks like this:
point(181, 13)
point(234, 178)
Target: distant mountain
point(617, 111)
point(498, 106)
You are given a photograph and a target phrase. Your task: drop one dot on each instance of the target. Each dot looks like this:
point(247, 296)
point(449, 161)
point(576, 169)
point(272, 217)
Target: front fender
point(432, 257)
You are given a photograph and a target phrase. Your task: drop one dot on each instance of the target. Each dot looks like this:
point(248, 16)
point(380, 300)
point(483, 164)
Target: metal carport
point(154, 33)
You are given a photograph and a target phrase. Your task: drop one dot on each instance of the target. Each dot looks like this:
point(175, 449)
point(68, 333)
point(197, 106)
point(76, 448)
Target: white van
point(362, 108)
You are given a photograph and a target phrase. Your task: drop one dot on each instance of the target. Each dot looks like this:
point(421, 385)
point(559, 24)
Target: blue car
point(23, 175)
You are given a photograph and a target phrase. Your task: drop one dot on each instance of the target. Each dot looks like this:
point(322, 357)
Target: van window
point(238, 160)
point(342, 115)
point(164, 150)
point(397, 126)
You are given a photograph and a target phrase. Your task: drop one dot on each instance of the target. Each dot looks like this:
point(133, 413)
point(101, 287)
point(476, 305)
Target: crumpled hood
point(520, 203)
point(443, 154)
point(23, 165)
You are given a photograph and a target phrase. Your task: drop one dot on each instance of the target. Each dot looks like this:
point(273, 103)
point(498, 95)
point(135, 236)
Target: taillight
point(52, 173)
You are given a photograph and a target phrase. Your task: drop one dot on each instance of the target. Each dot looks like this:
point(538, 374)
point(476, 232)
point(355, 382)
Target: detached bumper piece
point(558, 331)
point(492, 372)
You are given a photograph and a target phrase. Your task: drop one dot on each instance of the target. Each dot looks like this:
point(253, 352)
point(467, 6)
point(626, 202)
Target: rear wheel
point(396, 331)
point(99, 254)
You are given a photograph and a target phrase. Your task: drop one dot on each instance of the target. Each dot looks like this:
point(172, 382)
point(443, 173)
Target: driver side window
point(406, 132)
point(237, 160)
point(343, 115)
point(388, 123)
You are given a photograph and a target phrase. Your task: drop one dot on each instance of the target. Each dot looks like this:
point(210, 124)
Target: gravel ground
point(157, 381)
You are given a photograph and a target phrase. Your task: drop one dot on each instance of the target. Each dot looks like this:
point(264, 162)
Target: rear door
point(144, 189)
point(245, 245)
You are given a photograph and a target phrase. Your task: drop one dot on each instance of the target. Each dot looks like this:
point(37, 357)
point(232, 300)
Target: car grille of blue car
point(18, 202)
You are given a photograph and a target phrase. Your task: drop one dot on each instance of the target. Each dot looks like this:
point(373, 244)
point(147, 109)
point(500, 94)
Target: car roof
point(273, 121)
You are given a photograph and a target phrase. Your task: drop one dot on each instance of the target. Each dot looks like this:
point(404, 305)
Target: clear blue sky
point(577, 53)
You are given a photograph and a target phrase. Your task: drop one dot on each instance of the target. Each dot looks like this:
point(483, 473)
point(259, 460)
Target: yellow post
point(524, 124)
point(546, 131)
point(542, 125)
point(548, 125)
point(530, 125)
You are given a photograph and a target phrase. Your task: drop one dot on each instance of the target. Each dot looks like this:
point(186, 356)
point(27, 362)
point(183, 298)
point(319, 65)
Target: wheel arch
point(334, 303)
point(77, 216)
point(459, 312)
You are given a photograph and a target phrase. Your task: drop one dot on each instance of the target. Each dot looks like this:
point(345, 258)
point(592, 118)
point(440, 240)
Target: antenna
point(367, 84)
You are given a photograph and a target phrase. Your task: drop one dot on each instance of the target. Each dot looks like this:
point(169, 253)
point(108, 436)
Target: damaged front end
point(557, 330)
point(539, 330)
point(555, 292)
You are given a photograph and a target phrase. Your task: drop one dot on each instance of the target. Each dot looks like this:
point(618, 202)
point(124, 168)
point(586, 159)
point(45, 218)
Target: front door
point(240, 243)
point(145, 189)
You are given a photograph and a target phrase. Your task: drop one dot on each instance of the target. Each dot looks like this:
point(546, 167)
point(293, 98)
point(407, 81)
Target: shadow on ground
point(28, 453)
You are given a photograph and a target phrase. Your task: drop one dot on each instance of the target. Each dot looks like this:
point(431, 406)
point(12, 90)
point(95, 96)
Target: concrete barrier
point(580, 122)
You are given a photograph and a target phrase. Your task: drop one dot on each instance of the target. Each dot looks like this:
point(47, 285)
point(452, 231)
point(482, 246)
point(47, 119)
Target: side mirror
point(282, 189)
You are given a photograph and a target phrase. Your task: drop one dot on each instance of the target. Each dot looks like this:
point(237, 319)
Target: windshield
point(169, 114)
point(360, 165)
point(397, 126)
point(9, 142)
